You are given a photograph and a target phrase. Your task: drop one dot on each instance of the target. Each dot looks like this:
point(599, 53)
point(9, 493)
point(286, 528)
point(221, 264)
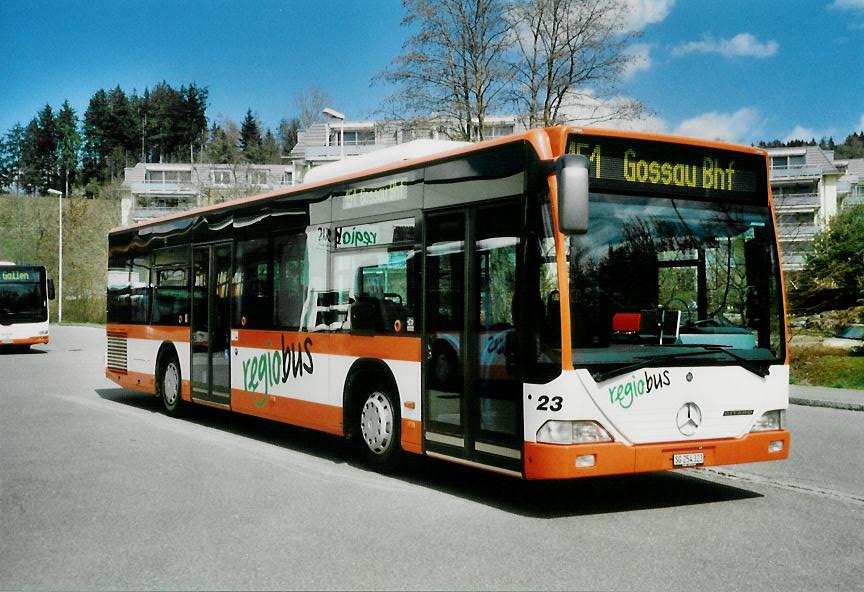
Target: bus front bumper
point(25, 340)
point(554, 461)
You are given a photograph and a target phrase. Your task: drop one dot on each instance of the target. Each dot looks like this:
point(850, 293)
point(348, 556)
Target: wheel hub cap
point(376, 423)
point(170, 386)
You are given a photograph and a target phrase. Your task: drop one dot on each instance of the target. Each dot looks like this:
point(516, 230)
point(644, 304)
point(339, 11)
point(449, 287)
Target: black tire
point(378, 428)
point(170, 386)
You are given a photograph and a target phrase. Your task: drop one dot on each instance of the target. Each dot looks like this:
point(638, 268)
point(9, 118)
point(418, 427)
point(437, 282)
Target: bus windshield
point(21, 297)
point(670, 281)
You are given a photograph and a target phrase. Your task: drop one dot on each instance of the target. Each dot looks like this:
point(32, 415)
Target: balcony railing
point(172, 187)
point(795, 170)
point(335, 152)
point(798, 201)
point(797, 231)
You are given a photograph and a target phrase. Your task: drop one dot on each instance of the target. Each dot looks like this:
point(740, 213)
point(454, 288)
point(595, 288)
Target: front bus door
point(211, 333)
point(472, 407)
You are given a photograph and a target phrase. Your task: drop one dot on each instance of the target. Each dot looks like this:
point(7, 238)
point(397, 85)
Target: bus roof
point(411, 155)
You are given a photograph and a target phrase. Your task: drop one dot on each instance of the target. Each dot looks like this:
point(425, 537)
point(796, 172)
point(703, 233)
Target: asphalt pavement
point(820, 396)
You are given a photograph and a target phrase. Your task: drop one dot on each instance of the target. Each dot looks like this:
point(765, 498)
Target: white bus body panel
point(11, 333)
point(729, 398)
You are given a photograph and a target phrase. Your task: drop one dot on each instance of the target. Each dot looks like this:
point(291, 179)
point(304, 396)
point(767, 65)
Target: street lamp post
point(336, 115)
point(59, 194)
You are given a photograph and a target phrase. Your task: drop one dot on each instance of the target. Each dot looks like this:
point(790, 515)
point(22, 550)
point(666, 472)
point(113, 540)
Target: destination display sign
point(19, 276)
point(644, 166)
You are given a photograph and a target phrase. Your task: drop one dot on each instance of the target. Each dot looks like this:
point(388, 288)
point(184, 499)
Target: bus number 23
point(544, 405)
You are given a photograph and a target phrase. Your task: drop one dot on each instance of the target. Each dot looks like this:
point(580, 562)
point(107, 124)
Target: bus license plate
point(688, 460)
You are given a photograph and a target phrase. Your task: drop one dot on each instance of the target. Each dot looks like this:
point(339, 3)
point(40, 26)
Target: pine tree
point(250, 138)
point(68, 144)
point(29, 177)
point(96, 147)
point(46, 150)
point(10, 157)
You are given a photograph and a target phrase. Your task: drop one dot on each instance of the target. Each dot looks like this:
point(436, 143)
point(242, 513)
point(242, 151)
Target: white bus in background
point(24, 294)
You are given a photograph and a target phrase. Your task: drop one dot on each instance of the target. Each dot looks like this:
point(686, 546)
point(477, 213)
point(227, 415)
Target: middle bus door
point(211, 331)
point(472, 408)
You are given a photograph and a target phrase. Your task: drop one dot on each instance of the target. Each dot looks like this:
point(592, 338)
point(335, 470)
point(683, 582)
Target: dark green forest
point(59, 148)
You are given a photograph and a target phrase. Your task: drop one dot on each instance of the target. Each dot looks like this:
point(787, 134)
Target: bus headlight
point(770, 420)
point(572, 432)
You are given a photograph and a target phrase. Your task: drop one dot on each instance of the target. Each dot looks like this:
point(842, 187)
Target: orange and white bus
point(555, 304)
point(24, 294)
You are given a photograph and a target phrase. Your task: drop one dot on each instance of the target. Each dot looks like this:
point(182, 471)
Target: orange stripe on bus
point(156, 332)
point(412, 436)
point(551, 461)
point(136, 381)
point(28, 341)
point(385, 347)
point(318, 416)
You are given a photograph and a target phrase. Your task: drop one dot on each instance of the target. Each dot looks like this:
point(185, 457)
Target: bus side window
point(250, 285)
point(128, 289)
point(380, 281)
point(290, 279)
point(170, 286)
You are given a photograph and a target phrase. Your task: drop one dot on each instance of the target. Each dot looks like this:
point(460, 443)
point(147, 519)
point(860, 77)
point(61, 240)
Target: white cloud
point(641, 13)
point(740, 126)
point(641, 54)
point(799, 132)
point(742, 44)
point(847, 5)
point(615, 113)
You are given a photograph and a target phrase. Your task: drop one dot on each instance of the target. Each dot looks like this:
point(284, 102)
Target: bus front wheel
point(170, 386)
point(378, 431)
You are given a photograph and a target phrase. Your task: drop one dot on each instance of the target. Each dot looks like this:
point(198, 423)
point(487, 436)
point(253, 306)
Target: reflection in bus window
point(250, 289)
point(170, 287)
point(380, 278)
point(291, 279)
point(128, 289)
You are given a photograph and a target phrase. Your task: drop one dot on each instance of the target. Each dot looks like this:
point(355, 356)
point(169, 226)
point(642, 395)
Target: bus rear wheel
point(379, 433)
point(170, 386)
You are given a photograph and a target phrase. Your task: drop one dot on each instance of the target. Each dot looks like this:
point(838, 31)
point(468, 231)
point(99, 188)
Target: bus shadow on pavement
point(574, 497)
point(535, 499)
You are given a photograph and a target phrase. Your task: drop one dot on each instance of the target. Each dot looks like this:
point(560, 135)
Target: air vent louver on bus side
point(116, 359)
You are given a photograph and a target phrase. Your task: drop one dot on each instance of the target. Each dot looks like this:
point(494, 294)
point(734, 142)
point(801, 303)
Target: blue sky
point(741, 70)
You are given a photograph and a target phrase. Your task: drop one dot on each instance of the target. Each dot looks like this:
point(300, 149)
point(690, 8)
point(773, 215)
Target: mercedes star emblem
point(689, 419)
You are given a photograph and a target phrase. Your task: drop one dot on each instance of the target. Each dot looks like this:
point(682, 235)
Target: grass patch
point(825, 366)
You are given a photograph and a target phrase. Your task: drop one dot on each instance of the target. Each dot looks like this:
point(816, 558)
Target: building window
point(288, 178)
point(362, 137)
point(222, 177)
point(168, 176)
point(257, 177)
point(790, 161)
point(497, 131)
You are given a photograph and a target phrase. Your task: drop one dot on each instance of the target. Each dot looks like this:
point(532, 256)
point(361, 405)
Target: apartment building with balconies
point(804, 182)
point(157, 189)
point(333, 140)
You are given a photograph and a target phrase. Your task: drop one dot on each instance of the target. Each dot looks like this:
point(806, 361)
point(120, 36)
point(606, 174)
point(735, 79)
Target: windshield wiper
point(760, 370)
point(645, 362)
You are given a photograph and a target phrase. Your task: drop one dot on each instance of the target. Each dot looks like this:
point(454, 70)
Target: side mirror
point(571, 171)
point(51, 293)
